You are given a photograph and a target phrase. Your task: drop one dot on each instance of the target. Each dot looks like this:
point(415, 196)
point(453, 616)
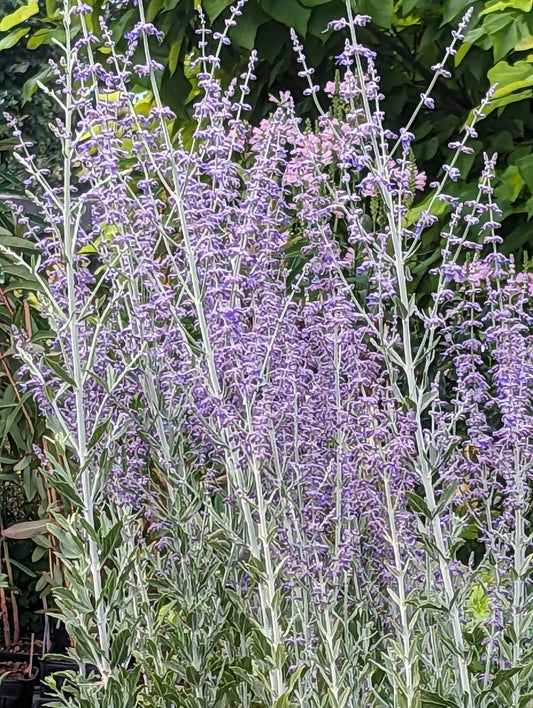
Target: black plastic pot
point(51, 666)
point(17, 692)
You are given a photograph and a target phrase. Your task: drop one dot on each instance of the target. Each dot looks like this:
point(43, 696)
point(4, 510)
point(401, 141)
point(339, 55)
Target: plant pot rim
point(15, 656)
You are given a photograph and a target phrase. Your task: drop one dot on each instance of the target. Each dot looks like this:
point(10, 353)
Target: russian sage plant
point(285, 480)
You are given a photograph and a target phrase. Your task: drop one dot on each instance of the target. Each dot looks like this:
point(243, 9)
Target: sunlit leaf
point(20, 15)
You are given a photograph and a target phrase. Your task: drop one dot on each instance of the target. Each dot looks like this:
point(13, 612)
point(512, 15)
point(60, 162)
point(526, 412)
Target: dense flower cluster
point(312, 396)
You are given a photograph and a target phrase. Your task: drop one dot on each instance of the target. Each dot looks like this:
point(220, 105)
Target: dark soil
point(16, 669)
point(23, 647)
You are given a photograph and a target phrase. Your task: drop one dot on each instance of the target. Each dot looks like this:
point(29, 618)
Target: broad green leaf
point(529, 207)
point(506, 100)
point(496, 23)
point(321, 16)
point(510, 78)
point(461, 52)
point(68, 492)
point(38, 553)
point(29, 481)
point(504, 5)
point(214, 8)
point(31, 85)
point(408, 5)
point(511, 184)
point(124, 21)
point(438, 208)
point(505, 41)
point(314, 3)
point(17, 242)
point(58, 369)
point(13, 37)
point(290, 13)
point(174, 54)
point(245, 31)
point(30, 573)
point(20, 15)
point(452, 8)
point(153, 9)
point(44, 36)
point(524, 44)
point(381, 12)
point(525, 168)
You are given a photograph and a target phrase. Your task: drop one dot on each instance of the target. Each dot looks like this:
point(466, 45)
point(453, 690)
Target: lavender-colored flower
point(249, 334)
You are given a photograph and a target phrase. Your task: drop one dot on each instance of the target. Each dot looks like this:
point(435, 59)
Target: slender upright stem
point(415, 392)
point(69, 247)
point(400, 569)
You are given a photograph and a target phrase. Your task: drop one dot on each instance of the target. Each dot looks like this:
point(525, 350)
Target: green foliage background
point(409, 36)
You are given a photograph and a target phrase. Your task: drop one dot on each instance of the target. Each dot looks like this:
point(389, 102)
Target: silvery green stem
point(400, 599)
point(69, 246)
point(337, 698)
point(520, 546)
point(258, 535)
point(267, 590)
point(415, 392)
